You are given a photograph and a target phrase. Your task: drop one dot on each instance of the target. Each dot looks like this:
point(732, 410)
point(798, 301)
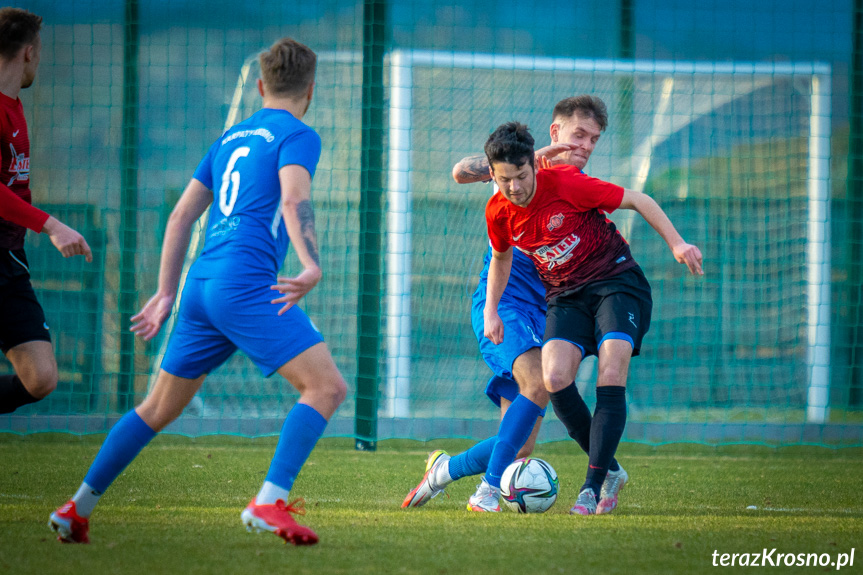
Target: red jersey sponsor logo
point(559, 253)
point(555, 222)
point(19, 168)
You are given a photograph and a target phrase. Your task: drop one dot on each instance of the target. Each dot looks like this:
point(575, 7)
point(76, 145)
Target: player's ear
point(261, 87)
point(554, 131)
point(311, 91)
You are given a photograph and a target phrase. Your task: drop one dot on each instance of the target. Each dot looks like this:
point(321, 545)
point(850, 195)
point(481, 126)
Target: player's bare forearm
point(471, 169)
point(654, 215)
point(498, 275)
point(306, 242)
point(192, 204)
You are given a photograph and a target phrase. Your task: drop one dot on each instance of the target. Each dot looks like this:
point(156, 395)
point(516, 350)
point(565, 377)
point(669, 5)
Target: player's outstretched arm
point(471, 169)
point(651, 212)
point(67, 241)
point(299, 217)
point(474, 169)
point(195, 199)
point(498, 276)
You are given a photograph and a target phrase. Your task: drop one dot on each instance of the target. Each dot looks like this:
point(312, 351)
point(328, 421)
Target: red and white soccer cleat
point(70, 527)
point(431, 485)
point(276, 518)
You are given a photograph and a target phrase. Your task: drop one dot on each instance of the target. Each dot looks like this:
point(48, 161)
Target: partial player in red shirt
point(24, 337)
point(599, 301)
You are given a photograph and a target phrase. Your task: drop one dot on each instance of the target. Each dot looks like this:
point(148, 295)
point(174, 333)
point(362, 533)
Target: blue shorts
point(523, 327)
point(216, 319)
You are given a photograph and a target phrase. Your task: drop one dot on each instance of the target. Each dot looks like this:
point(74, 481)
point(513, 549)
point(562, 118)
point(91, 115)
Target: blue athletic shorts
point(216, 319)
point(523, 327)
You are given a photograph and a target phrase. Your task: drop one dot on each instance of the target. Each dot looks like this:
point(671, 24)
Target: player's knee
point(555, 381)
point(611, 375)
point(40, 381)
point(335, 391)
point(536, 392)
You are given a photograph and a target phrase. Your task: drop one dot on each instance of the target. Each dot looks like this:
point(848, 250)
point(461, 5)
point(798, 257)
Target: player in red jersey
point(24, 336)
point(599, 301)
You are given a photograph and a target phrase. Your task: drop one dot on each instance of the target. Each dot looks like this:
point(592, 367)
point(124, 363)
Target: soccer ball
point(529, 486)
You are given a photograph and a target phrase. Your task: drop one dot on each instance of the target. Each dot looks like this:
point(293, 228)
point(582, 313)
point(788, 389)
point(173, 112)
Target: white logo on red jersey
point(19, 168)
point(560, 252)
point(518, 237)
point(555, 222)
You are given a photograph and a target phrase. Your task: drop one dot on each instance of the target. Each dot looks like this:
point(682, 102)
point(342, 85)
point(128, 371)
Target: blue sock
point(125, 441)
point(472, 461)
point(301, 431)
point(515, 428)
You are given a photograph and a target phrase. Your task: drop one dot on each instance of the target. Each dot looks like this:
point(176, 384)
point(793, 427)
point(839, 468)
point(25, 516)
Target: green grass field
point(177, 510)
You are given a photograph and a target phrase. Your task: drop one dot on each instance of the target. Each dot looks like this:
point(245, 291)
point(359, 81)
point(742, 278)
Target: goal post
point(677, 100)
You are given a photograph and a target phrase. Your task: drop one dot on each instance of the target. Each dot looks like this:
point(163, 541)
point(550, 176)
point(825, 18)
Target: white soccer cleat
point(486, 498)
point(585, 504)
point(433, 482)
point(614, 482)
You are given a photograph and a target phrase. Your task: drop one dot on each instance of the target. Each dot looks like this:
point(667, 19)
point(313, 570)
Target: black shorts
point(619, 306)
point(21, 316)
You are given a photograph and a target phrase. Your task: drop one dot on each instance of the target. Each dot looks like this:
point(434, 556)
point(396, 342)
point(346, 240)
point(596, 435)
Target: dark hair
point(585, 106)
point(288, 67)
point(510, 143)
point(18, 28)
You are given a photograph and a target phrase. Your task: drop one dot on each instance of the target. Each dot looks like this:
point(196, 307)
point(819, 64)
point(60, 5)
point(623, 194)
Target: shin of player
point(257, 177)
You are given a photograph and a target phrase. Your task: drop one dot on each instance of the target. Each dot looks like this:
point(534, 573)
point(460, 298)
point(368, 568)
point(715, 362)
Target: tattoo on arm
point(306, 215)
point(474, 168)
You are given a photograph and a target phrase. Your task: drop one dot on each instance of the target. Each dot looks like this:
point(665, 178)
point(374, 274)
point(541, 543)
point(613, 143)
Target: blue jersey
point(246, 238)
point(523, 287)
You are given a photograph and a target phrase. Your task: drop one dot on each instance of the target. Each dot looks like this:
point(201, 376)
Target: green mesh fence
point(743, 122)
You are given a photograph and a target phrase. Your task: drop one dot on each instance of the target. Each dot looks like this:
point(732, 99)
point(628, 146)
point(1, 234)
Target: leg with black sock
point(575, 416)
point(606, 430)
point(13, 394)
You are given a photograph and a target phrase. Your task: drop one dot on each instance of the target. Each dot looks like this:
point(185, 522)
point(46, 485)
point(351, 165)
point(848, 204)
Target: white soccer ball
point(529, 486)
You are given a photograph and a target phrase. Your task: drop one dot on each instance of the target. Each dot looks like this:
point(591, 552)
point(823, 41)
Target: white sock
point(270, 493)
point(85, 500)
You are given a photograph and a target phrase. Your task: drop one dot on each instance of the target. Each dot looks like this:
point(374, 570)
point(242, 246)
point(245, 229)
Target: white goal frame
point(399, 240)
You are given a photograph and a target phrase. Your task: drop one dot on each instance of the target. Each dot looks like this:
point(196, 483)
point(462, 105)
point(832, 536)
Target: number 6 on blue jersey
point(232, 177)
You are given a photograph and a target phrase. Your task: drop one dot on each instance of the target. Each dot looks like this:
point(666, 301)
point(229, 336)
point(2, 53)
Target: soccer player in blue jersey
point(258, 177)
point(517, 384)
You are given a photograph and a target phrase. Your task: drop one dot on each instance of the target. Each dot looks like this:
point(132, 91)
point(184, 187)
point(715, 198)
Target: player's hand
point(67, 241)
point(545, 157)
point(147, 322)
point(691, 256)
point(493, 327)
point(296, 287)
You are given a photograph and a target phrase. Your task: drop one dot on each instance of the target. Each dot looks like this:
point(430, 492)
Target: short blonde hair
point(288, 67)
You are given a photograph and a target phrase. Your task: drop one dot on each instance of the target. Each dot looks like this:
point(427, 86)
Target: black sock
point(13, 394)
point(609, 419)
point(575, 416)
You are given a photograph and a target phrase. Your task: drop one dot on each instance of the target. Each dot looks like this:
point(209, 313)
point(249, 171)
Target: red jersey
point(563, 229)
point(16, 213)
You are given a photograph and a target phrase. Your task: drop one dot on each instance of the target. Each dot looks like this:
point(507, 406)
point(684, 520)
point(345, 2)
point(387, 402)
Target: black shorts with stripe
point(619, 305)
point(21, 316)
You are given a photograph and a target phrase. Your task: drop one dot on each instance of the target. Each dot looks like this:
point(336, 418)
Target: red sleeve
point(587, 193)
point(496, 235)
point(17, 211)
